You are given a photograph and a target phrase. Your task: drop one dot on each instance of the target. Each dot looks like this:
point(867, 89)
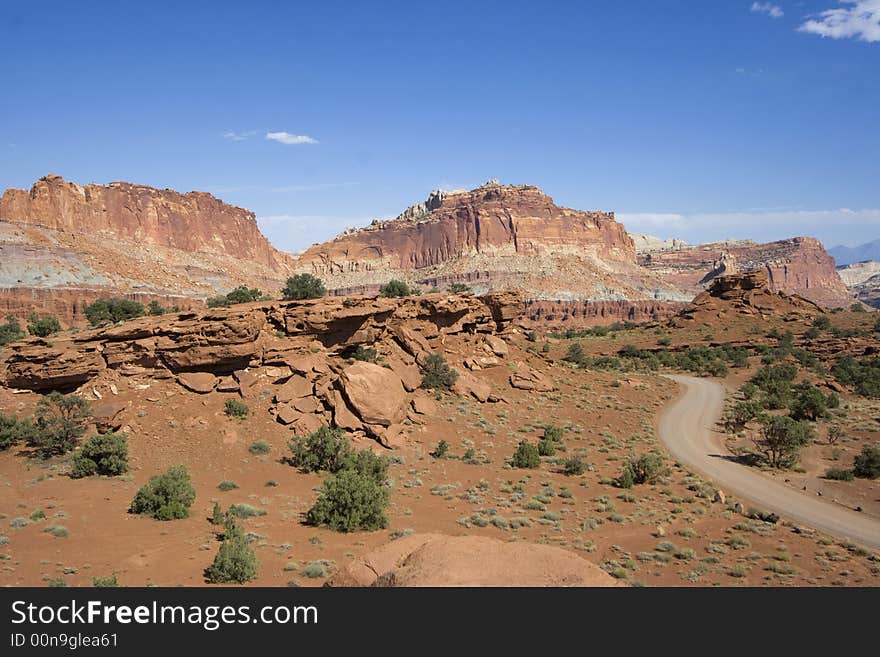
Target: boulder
point(296, 387)
point(525, 378)
point(409, 373)
point(106, 414)
point(308, 404)
point(424, 405)
point(342, 414)
point(286, 414)
point(308, 424)
point(227, 384)
point(467, 384)
point(200, 382)
point(497, 346)
point(376, 394)
point(392, 437)
point(247, 382)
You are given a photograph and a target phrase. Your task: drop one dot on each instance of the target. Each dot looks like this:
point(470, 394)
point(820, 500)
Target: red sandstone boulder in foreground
point(439, 560)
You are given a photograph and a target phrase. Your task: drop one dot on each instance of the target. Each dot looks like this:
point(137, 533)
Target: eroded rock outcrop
point(439, 560)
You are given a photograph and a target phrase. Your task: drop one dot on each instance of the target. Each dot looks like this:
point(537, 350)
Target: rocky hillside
point(863, 281)
point(799, 265)
point(62, 245)
point(496, 236)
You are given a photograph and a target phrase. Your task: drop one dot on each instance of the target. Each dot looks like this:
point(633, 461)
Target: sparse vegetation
point(437, 374)
point(44, 326)
point(526, 456)
point(395, 288)
point(459, 288)
point(60, 421)
point(235, 408)
point(10, 331)
point(303, 286)
point(325, 449)
point(645, 469)
point(781, 439)
point(111, 311)
point(235, 562)
point(167, 496)
point(241, 294)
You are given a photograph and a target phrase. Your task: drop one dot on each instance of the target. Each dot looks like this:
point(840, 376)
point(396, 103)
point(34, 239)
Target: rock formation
point(799, 265)
point(63, 245)
point(439, 560)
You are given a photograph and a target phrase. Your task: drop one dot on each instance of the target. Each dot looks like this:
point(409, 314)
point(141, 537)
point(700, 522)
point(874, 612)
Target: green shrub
point(459, 288)
point(840, 474)
point(241, 294)
point(742, 413)
point(810, 404)
point(367, 354)
point(395, 288)
point(235, 561)
point(867, 464)
point(105, 582)
point(44, 326)
point(14, 430)
point(10, 331)
point(104, 454)
point(217, 516)
point(325, 449)
point(226, 486)
point(436, 373)
point(245, 511)
point(781, 439)
point(575, 354)
point(863, 375)
point(167, 496)
point(441, 450)
point(110, 311)
point(553, 433)
point(155, 309)
point(60, 421)
point(235, 408)
point(547, 447)
point(526, 456)
point(350, 500)
point(303, 286)
point(822, 322)
point(645, 469)
point(259, 448)
point(574, 466)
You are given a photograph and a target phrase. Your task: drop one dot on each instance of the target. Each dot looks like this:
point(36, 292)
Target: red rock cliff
point(195, 222)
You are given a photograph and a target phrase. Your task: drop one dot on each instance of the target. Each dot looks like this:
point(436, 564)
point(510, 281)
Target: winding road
point(687, 429)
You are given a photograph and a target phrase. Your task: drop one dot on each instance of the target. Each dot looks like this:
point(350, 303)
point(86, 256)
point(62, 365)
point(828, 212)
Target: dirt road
point(687, 430)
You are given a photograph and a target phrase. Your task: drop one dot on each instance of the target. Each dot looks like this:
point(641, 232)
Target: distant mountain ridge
point(847, 255)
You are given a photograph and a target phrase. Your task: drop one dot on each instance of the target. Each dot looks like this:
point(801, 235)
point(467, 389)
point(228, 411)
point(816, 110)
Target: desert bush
point(303, 286)
point(105, 582)
point(781, 439)
point(60, 421)
point(226, 486)
point(241, 294)
point(259, 448)
point(840, 474)
point(547, 447)
point(155, 309)
point(235, 408)
point(574, 466)
point(104, 454)
point(441, 450)
point(352, 499)
point(10, 331)
point(863, 375)
point(244, 511)
point(459, 288)
point(110, 311)
point(575, 354)
point(822, 322)
point(325, 449)
point(43, 327)
point(437, 374)
point(867, 464)
point(367, 354)
point(810, 403)
point(526, 456)
point(395, 288)
point(741, 413)
point(14, 430)
point(167, 496)
point(217, 516)
point(645, 469)
point(235, 560)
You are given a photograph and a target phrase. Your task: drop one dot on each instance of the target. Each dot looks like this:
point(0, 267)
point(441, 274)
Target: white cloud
point(289, 139)
point(238, 136)
point(832, 227)
point(859, 19)
point(774, 11)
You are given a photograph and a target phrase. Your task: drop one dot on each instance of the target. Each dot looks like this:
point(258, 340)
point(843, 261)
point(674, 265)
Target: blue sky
point(690, 118)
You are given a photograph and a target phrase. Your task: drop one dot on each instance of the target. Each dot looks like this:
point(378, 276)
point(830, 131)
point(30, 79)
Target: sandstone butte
point(63, 245)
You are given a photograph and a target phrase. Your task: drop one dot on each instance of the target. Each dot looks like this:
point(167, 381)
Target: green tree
point(645, 469)
point(60, 421)
point(14, 430)
point(867, 464)
point(303, 286)
point(575, 354)
point(741, 413)
point(104, 454)
point(167, 496)
point(782, 438)
point(526, 456)
point(235, 562)
point(325, 449)
point(822, 322)
point(44, 326)
point(110, 311)
point(809, 403)
point(459, 288)
point(395, 288)
point(10, 331)
point(437, 374)
point(153, 308)
point(355, 498)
